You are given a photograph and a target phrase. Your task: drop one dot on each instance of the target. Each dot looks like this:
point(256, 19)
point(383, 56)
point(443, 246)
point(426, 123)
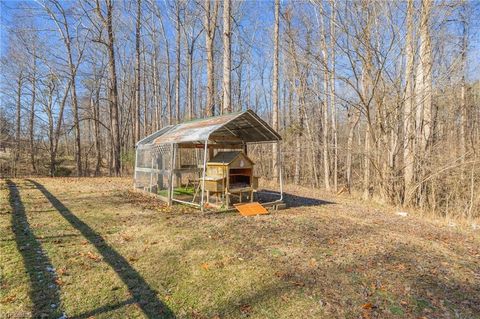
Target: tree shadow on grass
point(144, 295)
point(55, 239)
point(264, 195)
point(44, 292)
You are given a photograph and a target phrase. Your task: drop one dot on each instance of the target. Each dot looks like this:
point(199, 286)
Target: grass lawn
point(91, 248)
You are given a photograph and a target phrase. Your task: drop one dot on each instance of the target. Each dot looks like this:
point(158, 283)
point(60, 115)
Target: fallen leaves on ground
point(246, 308)
point(91, 256)
point(368, 305)
point(9, 299)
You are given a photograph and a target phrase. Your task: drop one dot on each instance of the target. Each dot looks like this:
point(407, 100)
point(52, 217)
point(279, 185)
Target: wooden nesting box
point(230, 173)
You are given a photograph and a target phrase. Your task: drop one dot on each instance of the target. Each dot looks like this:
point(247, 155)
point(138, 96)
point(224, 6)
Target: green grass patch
point(178, 191)
point(396, 310)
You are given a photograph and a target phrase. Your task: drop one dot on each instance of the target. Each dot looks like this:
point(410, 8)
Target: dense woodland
point(376, 98)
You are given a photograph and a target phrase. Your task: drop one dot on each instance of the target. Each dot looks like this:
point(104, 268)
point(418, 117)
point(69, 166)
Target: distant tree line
point(379, 98)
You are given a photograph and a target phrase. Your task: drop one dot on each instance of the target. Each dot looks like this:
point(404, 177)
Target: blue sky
point(3, 25)
point(256, 16)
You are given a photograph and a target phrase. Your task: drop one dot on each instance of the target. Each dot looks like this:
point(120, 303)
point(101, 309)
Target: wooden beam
point(211, 146)
point(225, 138)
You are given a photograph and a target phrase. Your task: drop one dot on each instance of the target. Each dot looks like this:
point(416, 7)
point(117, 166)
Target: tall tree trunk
point(463, 95)
point(76, 123)
point(154, 78)
point(190, 82)
point(368, 95)
point(332, 95)
point(177, 78)
point(239, 104)
point(51, 135)
point(354, 117)
point(326, 79)
point(276, 34)
point(424, 98)
point(95, 105)
point(227, 63)
point(54, 132)
point(409, 120)
point(366, 164)
point(76, 117)
point(136, 115)
point(300, 93)
point(31, 128)
point(16, 155)
point(157, 100)
point(146, 113)
point(66, 36)
point(210, 24)
point(426, 60)
point(168, 87)
point(113, 89)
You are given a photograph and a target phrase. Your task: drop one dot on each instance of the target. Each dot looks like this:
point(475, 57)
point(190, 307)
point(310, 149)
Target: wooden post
point(227, 187)
point(280, 175)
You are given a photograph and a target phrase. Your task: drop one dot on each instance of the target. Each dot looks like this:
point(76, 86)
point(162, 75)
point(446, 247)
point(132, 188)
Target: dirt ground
point(92, 248)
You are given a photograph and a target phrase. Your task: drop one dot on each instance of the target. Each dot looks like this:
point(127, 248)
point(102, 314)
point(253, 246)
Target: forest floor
point(92, 248)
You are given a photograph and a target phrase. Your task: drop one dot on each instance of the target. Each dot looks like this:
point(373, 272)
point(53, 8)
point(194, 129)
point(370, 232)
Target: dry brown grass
point(118, 254)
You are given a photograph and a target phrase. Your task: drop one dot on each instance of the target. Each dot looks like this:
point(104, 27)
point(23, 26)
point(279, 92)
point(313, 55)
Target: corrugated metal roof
point(148, 139)
point(233, 128)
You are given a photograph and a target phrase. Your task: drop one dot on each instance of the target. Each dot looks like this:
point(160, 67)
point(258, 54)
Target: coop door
point(240, 177)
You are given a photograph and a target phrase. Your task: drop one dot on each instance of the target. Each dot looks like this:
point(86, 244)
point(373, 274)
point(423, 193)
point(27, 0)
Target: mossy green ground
point(178, 191)
point(114, 253)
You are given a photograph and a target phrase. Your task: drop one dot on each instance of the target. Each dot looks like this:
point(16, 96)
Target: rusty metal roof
point(148, 139)
point(233, 128)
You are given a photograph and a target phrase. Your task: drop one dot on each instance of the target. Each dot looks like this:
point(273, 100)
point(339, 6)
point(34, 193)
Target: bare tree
point(409, 120)
point(210, 25)
point(423, 96)
point(192, 33)
point(168, 86)
point(227, 56)
point(16, 155)
point(353, 119)
point(178, 52)
point(107, 21)
point(463, 87)
point(300, 90)
point(325, 110)
point(275, 108)
point(31, 123)
point(136, 114)
point(381, 96)
point(332, 94)
point(64, 30)
point(54, 129)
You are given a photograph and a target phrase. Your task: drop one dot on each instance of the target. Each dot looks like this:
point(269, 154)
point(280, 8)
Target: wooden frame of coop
point(230, 174)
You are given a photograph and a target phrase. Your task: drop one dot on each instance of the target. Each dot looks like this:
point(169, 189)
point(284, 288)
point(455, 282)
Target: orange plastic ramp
point(251, 209)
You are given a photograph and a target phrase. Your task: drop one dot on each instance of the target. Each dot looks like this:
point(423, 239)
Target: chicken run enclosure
point(204, 162)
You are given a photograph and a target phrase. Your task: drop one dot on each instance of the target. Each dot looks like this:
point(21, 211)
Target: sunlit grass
point(119, 254)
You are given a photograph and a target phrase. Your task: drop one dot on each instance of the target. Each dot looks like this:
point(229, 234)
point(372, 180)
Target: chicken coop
point(230, 174)
point(204, 162)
